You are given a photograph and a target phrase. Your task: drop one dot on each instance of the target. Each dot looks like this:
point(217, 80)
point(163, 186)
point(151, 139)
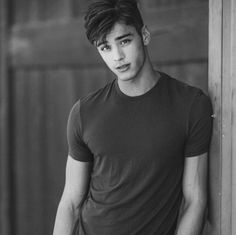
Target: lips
point(123, 67)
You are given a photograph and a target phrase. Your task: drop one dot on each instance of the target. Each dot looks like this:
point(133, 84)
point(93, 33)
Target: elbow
point(197, 201)
point(69, 205)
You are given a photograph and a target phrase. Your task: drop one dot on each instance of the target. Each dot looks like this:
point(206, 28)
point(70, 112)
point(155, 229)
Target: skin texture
point(76, 186)
point(124, 46)
point(195, 195)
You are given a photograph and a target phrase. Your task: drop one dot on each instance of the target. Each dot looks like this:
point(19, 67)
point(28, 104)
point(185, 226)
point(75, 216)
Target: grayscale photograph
point(117, 117)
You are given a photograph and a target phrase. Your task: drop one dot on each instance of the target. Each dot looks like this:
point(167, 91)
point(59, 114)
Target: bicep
point(195, 178)
point(76, 180)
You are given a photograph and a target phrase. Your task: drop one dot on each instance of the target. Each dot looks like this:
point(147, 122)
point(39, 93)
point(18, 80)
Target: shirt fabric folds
point(137, 146)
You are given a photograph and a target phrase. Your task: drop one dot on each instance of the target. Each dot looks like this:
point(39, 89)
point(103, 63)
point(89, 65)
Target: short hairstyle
point(102, 15)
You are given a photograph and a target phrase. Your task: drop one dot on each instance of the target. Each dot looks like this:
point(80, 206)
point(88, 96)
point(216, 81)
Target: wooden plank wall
point(50, 71)
point(40, 146)
point(5, 167)
point(174, 47)
point(222, 86)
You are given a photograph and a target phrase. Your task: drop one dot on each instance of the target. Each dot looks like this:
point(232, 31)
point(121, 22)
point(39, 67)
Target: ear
point(146, 35)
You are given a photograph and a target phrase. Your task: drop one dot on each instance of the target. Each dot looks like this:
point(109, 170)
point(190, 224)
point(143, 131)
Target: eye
point(105, 48)
point(125, 42)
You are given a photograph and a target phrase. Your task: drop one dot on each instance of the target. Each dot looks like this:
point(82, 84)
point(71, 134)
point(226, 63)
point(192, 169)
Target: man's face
point(123, 51)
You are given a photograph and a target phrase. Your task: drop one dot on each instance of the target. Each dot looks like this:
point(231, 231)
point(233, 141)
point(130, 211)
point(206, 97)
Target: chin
point(126, 76)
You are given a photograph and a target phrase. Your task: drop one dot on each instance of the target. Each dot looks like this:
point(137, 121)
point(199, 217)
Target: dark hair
point(102, 15)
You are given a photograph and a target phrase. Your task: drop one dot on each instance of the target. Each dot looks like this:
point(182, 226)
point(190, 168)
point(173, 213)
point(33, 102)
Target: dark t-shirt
point(138, 146)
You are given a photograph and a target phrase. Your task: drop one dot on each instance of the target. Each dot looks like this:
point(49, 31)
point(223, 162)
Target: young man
point(138, 146)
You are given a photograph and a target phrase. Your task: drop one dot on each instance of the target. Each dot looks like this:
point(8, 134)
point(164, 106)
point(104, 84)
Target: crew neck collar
point(147, 93)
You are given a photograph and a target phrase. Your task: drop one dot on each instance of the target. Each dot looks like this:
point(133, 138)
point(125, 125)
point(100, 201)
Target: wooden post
point(214, 87)
point(222, 87)
point(4, 126)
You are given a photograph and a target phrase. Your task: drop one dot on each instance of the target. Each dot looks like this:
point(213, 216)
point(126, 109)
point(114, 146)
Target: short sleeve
point(77, 148)
point(199, 128)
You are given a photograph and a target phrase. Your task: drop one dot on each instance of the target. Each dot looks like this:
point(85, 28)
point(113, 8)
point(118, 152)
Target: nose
point(118, 54)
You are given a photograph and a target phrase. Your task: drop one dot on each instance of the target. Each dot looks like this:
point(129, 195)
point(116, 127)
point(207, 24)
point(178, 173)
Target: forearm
point(66, 218)
point(191, 220)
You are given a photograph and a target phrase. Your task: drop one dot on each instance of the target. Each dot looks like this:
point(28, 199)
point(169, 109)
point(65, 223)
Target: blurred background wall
point(50, 65)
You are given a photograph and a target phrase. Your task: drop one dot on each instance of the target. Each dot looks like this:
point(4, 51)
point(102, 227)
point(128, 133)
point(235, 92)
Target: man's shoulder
point(92, 99)
point(181, 90)
point(97, 96)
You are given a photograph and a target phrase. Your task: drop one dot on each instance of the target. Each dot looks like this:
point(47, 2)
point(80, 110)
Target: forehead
point(120, 29)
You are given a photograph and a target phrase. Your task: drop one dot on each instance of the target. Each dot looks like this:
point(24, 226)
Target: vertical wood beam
point(226, 200)
point(4, 131)
point(233, 79)
point(229, 117)
point(222, 87)
point(215, 91)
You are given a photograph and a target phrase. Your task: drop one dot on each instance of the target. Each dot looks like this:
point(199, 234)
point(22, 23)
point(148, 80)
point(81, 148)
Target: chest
point(148, 130)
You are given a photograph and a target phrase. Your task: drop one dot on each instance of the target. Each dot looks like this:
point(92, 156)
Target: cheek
point(137, 55)
point(107, 59)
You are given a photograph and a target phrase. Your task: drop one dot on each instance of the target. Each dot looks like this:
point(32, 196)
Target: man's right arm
point(76, 187)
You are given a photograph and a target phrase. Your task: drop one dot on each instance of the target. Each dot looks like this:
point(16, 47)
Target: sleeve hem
point(81, 159)
point(195, 154)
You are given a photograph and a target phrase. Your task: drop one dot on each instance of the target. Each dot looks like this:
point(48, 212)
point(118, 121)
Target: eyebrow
point(123, 36)
point(116, 39)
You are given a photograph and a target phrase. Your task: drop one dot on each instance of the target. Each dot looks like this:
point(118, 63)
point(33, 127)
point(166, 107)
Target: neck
point(142, 83)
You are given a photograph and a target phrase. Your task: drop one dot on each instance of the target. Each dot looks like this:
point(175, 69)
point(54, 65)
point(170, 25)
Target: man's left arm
point(195, 196)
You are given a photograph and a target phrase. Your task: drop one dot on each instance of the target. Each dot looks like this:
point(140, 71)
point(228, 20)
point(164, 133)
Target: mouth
point(123, 68)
